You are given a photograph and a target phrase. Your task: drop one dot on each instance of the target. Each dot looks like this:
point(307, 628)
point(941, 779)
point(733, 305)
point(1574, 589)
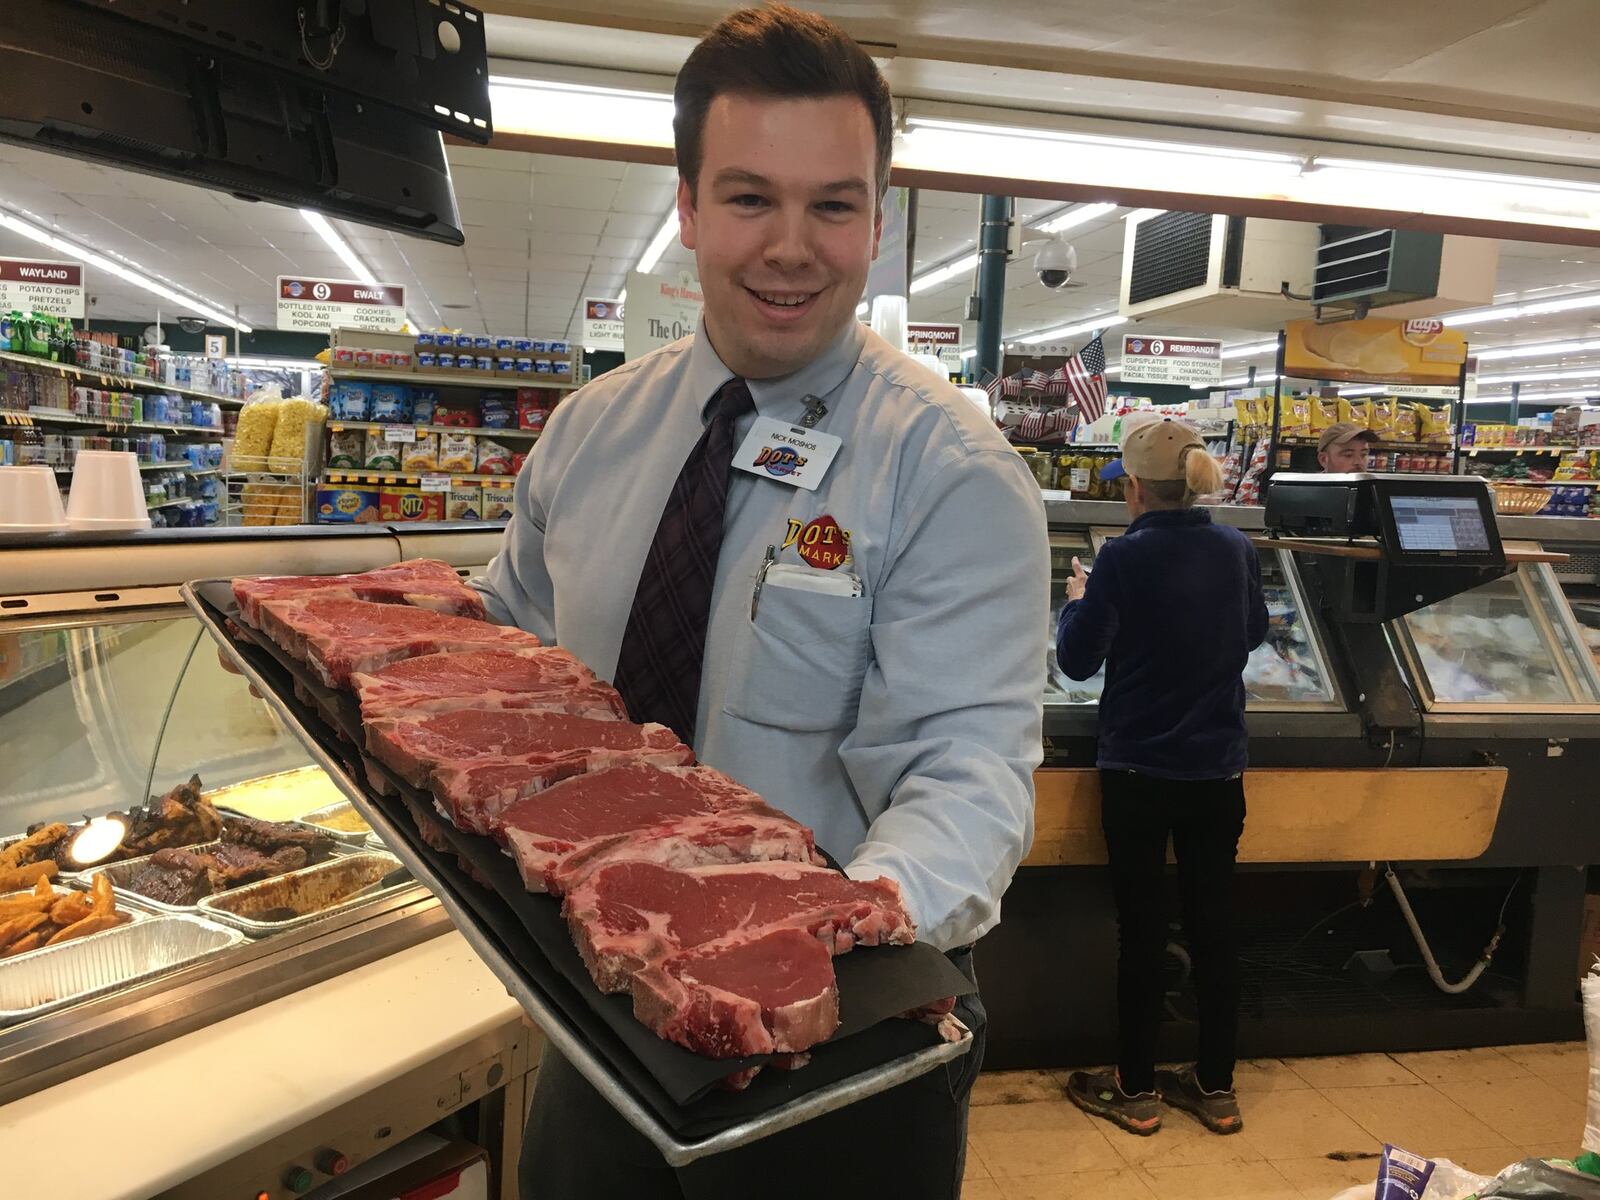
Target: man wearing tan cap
point(1344, 447)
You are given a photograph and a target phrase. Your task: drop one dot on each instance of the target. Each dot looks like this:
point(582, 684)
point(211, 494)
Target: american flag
point(1085, 374)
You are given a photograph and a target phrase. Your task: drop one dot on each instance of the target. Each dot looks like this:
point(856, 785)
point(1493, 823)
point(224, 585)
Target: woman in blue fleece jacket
point(1173, 609)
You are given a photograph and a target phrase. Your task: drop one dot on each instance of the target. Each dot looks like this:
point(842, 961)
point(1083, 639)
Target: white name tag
point(790, 454)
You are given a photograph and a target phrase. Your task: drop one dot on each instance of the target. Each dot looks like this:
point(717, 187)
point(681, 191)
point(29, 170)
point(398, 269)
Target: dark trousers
point(908, 1141)
point(1204, 819)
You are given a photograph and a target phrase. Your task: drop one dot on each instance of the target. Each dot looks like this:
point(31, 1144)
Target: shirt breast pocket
point(799, 663)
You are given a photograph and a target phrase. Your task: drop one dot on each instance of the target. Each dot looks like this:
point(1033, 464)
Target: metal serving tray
point(336, 876)
point(135, 915)
point(120, 872)
point(57, 976)
point(349, 837)
point(561, 1032)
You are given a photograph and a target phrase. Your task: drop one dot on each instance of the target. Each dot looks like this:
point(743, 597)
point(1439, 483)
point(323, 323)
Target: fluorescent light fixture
point(129, 273)
point(1114, 369)
point(339, 246)
point(1236, 381)
point(1251, 350)
point(1081, 215)
point(581, 112)
point(658, 244)
point(944, 273)
point(1541, 376)
point(254, 362)
point(1081, 140)
point(1534, 350)
point(1103, 321)
point(1532, 308)
point(971, 353)
point(1538, 397)
point(1141, 214)
point(1455, 174)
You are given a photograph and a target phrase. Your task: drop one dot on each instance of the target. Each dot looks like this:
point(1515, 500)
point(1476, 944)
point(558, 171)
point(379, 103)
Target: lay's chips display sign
point(1375, 350)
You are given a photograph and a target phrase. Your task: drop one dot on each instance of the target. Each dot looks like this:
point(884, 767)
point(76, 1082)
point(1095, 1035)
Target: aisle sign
point(943, 340)
point(659, 310)
point(602, 324)
point(1194, 362)
point(322, 305)
point(52, 289)
point(1375, 350)
point(216, 345)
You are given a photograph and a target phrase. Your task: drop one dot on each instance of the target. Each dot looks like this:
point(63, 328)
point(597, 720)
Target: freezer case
point(1289, 671)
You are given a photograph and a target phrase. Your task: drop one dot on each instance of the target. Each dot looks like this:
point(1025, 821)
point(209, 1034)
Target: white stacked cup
point(30, 502)
point(107, 492)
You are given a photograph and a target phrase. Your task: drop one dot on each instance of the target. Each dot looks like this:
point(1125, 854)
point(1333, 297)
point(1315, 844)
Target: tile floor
point(1481, 1108)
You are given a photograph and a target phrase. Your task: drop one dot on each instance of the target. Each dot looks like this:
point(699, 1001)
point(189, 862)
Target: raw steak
point(339, 638)
point(773, 993)
point(627, 915)
point(419, 582)
point(415, 747)
point(546, 678)
point(676, 816)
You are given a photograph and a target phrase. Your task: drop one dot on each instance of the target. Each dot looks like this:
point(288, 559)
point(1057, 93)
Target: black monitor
point(1445, 520)
point(333, 105)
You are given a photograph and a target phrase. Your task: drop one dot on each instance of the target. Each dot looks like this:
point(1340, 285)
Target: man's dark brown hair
point(781, 52)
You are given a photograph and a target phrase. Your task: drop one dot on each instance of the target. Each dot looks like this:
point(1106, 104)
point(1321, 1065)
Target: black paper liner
point(876, 984)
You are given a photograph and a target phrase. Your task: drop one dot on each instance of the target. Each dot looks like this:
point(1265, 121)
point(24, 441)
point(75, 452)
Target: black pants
point(1204, 819)
point(908, 1141)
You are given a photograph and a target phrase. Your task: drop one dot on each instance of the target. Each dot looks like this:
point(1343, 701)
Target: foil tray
point(135, 915)
point(350, 837)
point(32, 985)
point(121, 872)
point(336, 876)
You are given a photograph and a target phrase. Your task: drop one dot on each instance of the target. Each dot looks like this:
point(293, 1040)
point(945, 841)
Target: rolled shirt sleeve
point(516, 586)
point(1088, 626)
point(951, 712)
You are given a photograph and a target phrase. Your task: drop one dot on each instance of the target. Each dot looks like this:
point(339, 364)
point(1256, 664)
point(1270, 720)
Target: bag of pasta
point(258, 424)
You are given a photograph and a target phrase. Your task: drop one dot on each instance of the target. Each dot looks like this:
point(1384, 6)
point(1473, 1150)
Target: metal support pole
point(992, 239)
point(1511, 412)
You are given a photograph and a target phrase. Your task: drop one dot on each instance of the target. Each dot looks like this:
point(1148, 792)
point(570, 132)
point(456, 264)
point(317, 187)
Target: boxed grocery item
point(458, 453)
point(347, 448)
point(350, 400)
point(391, 402)
point(463, 503)
point(497, 410)
point(463, 413)
point(409, 504)
point(382, 455)
point(493, 458)
point(497, 501)
point(423, 403)
point(422, 454)
point(346, 506)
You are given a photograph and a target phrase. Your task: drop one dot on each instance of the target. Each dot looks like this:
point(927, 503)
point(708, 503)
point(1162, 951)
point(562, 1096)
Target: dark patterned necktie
point(658, 669)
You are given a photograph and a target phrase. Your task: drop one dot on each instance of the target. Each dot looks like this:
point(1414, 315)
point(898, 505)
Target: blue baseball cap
point(1112, 470)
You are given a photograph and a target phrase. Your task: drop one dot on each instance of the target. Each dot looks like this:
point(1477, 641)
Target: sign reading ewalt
point(320, 305)
point(1375, 350)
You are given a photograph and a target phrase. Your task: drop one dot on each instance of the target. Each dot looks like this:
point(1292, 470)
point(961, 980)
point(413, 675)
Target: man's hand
point(227, 665)
point(1078, 582)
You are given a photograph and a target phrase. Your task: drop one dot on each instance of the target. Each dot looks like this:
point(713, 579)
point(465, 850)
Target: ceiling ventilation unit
point(1401, 272)
point(1205, 269)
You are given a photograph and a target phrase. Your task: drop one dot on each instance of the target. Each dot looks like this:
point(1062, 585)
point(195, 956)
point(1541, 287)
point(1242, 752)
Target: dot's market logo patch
point(779, 460)
point(820, 542)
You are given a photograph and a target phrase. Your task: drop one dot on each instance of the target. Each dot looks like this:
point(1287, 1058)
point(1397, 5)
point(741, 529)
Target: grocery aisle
point(1483, 1109)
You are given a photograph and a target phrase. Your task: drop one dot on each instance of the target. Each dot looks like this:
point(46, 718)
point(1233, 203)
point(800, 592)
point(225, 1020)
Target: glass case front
point(1288, 671)
point(1511, 645)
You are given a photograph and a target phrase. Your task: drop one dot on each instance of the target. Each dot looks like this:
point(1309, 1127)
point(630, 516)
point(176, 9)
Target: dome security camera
point(1055, 263)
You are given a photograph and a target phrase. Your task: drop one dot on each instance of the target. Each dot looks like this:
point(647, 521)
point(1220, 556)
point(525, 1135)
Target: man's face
point(1345, 457)
point(784, 226)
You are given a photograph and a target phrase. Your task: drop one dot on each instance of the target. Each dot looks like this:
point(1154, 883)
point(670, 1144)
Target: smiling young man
point(815, 561)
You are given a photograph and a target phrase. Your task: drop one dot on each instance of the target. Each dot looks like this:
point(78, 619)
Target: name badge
point(788, 453)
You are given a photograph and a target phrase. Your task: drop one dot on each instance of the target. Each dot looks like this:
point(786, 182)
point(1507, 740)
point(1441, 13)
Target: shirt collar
point(782, 398)
point(1170, 518)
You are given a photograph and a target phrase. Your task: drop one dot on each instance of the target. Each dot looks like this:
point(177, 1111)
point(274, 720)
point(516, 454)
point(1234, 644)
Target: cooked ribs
point(249, 850)
point(183, 817)
point(271, 836)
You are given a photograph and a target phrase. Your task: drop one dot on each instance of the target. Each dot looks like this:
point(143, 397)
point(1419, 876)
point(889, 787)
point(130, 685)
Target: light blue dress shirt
point(903, 725)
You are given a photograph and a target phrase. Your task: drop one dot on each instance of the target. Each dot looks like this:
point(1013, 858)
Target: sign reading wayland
point(321, 305)
point(53, 289)
point(1170, 360)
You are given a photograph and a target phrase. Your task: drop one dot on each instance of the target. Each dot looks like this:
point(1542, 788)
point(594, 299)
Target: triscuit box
point(342, 506)
point(497, 501)
point(410, 504)
point(463, 504)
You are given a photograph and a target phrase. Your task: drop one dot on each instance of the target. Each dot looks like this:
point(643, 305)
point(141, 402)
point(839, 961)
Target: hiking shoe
point(1217, 1111)
point(1100, 1094)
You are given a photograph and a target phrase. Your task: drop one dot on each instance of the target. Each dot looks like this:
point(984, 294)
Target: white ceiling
point(543, 232)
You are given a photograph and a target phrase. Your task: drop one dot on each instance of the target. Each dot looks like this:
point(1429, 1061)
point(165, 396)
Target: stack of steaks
point(680, 887)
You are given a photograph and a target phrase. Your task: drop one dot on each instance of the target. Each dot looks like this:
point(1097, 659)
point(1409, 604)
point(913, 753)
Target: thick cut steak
point(676, 816)
point(339, 638)
point(626, 915)
point(419, 582)
point(545, 678)
point(426, 745)
point(773, 993)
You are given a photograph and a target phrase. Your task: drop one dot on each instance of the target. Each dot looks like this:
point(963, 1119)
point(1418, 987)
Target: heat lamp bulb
point(98, 839)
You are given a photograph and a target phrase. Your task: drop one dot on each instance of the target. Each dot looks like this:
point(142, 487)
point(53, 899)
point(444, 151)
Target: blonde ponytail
point(1202, 474)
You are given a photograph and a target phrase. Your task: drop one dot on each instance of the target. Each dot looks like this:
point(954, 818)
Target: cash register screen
point(1441, 523)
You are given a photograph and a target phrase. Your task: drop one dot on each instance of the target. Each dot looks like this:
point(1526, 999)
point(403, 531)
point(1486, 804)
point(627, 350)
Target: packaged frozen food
point(391, 402)
point(422, 454)
point(409, 504)
point(463, 503)
point(493, 458)
point(457, 453)
point(351, 400)
point(382, 455)
point(346, 506)
point(347, 448)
